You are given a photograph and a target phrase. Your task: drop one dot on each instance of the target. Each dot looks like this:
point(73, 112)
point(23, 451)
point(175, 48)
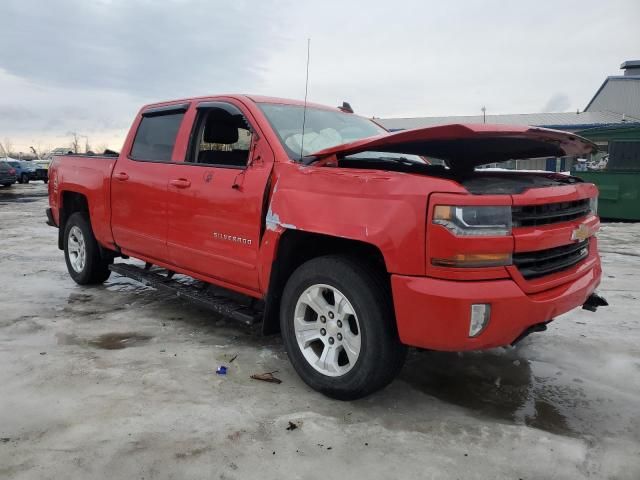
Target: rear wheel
point(338, 327)
point(24, 178)
point(82, 254)
point(45, 180)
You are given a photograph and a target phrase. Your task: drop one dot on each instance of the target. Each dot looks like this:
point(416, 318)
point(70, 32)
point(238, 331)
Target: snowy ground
point(565, 404)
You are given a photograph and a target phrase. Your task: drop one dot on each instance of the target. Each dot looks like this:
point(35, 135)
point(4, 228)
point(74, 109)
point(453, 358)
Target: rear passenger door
point(216, 196)
point(139, 184)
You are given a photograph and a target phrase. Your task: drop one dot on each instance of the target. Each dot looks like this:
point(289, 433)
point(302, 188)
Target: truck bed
point(89, 175)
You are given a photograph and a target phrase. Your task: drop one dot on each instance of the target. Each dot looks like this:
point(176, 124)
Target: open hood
point(465, 146)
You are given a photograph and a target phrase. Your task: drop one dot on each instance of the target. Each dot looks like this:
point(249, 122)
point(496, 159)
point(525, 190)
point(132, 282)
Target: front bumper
point(434, 314)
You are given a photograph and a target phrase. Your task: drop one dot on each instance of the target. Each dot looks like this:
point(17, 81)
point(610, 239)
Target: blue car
point(25, 171)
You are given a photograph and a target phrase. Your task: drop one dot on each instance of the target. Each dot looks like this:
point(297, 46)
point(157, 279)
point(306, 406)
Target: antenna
point(306, 90)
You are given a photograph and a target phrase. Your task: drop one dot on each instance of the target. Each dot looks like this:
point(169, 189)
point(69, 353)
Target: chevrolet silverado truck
point(351, 241)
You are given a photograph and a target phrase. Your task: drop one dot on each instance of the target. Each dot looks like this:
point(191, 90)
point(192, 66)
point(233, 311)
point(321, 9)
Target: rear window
point(156, 137)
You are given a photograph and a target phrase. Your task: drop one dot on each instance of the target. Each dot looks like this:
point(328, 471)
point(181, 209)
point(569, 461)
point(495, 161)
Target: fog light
point(480, 313)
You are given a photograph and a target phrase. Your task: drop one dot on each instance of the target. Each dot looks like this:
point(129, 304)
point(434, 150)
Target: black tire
point(96, 268)
point(24, 178)
point(381, 354)
point(45, 180)
point(7, 184)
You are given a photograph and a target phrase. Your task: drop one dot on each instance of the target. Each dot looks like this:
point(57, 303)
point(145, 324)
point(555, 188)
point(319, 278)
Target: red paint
point(223, 225)
point(434, 314)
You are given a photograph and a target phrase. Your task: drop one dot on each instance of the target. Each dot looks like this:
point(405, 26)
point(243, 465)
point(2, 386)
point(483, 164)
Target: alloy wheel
point(327, 330)
point(77, 249)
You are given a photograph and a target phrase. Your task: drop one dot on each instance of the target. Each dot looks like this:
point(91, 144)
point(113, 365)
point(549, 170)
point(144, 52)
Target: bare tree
point(75, 142)
point(7, 147)
point(39, 151)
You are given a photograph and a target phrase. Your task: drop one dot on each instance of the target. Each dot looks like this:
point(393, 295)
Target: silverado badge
point(231, 238)
point(581, 233)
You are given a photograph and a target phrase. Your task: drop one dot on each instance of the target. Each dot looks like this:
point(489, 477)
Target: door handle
point(122, 176)
point(180, 183)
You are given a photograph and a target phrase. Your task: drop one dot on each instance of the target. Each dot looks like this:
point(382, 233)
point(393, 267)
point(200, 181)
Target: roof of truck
point(287, 101)
point(240, 96)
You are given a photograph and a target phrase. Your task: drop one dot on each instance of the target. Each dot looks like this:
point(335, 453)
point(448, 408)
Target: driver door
point(215, 197)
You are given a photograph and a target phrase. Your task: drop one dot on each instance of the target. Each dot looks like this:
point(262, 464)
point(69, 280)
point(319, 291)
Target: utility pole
point(86, 143)
point(484, 114)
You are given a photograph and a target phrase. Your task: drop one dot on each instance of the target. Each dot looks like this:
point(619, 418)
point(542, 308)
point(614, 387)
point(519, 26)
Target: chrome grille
point(545, 262)
point(534, 215)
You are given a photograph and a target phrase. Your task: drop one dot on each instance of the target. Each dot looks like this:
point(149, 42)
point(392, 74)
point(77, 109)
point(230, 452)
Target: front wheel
point(338, 327)
point(45, 180)
point(82, 254)
point(24, 178)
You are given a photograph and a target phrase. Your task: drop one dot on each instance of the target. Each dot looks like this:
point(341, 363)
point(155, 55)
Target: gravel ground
point(119, 381)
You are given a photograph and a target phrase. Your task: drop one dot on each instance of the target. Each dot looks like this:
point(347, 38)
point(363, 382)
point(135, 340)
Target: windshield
point(323, 129)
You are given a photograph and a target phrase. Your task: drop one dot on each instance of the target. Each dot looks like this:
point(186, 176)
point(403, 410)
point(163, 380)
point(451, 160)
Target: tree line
point(77, 143)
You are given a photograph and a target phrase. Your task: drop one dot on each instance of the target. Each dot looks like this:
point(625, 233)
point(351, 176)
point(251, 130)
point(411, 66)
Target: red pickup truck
point(352, 241)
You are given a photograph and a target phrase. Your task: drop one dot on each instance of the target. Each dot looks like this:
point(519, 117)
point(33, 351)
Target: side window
point(222, 137)
point(156, 137)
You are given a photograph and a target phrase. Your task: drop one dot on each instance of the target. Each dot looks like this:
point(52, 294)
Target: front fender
point(368, 206)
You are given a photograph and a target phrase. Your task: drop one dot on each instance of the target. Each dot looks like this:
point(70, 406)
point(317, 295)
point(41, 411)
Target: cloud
point(88, 65)
point(559, 102)
point(427, 57)
point(148, 48)
point(42, 114)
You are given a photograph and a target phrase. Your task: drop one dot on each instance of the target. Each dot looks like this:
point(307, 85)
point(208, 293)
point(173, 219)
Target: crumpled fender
point(384, 209)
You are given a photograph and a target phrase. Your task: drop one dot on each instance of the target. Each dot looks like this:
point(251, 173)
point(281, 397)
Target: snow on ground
point(563, 404)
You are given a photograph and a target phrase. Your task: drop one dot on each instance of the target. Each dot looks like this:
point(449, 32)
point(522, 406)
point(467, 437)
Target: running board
point(219, 303)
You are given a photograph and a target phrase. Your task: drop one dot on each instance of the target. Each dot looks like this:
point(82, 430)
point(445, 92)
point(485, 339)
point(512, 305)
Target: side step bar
point(221, 304)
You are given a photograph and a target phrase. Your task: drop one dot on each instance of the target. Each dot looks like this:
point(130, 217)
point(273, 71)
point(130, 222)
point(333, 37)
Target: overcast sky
point(88, 65)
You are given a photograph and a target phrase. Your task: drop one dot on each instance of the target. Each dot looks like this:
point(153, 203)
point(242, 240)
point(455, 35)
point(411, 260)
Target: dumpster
point(619, 182)
point(619, 197)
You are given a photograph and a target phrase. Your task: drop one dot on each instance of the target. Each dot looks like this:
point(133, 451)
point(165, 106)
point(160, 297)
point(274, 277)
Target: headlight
point(474, 220)
point(593, 205)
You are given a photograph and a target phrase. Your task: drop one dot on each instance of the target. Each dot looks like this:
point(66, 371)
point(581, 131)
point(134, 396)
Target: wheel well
point(72, 202)
point(295, 248)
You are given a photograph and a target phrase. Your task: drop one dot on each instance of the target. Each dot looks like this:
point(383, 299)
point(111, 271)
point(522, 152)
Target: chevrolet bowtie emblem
point(581, 233)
